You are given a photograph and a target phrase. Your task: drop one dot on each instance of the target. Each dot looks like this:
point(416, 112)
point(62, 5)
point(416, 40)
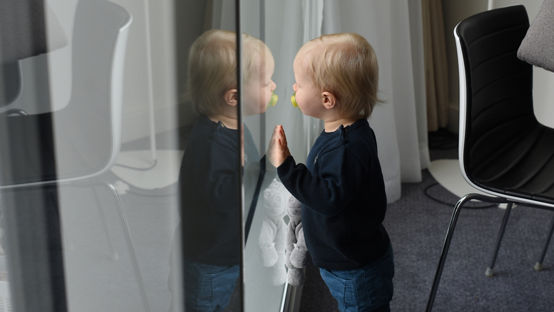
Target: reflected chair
point(503, 150)
point(79, 143)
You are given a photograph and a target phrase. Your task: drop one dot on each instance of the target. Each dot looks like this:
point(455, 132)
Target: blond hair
point(346, 66)
point(212, 67)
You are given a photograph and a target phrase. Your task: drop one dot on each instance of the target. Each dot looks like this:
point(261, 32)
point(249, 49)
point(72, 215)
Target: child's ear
point(328, 99)
point(231, 97)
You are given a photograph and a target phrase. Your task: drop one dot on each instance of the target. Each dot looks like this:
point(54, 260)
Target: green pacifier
point(293, 100)
point(273, 100)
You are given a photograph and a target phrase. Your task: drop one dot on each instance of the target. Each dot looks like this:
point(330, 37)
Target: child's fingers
point(283, 136)
point(274, 135)
point(278, 131)
point(276, 139)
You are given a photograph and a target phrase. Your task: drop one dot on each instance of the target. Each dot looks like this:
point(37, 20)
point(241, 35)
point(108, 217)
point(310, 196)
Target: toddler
point(341, 185)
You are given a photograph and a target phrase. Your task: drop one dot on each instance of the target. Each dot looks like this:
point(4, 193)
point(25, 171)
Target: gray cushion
point(537, 47)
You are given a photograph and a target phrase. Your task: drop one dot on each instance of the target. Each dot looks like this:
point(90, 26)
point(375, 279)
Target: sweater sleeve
point(332, 189)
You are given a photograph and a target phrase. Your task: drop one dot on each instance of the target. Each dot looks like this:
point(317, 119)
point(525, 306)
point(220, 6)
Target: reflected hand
point(278, 149)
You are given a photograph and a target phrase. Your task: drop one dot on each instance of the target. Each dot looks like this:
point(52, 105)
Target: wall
point(543, 92)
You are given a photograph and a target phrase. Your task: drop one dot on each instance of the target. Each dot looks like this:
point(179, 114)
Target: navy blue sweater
point(210, 191)
point(343, 196)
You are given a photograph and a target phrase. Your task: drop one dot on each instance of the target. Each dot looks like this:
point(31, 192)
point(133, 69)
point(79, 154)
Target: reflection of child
point(341, 186)
point(210, 172)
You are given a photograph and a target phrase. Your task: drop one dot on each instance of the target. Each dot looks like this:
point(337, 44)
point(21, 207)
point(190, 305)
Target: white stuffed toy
point(296, 251)
point(282, 245)
point(273, 230)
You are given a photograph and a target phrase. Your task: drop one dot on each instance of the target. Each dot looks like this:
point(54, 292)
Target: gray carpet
point(417, 226)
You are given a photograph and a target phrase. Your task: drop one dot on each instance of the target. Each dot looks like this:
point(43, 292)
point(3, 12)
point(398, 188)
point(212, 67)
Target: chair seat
point(525, 168)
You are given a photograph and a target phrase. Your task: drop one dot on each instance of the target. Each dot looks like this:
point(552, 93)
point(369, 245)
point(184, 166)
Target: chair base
point(450, 232)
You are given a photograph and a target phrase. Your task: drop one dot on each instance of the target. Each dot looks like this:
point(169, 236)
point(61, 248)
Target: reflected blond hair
point(345, 65)
point(212, 67)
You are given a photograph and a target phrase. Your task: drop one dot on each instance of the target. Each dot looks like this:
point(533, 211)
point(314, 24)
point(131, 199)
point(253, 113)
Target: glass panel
point(119, 157)
point(267, 85)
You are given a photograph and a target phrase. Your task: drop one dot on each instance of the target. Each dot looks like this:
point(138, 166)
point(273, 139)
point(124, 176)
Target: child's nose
point(294, 87)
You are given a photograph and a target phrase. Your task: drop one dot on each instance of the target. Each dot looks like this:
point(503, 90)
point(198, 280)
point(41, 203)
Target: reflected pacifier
point(273, 100)
point(293, 100)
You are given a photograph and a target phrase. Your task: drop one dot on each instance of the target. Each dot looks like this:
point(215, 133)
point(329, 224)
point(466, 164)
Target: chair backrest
point(496, 104)
point(90, 125)
point(81, 140)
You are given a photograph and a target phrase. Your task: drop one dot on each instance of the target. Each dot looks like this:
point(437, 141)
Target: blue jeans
point(365, 289)
point(208, 288)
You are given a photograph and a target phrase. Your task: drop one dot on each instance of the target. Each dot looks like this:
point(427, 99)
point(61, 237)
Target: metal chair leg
point(445, 247)
point(130, 246)
point(538, 265)
point(448, 238)
point(489, 271)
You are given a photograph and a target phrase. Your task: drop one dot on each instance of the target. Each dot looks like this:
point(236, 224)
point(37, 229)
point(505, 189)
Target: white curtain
point(393, 28)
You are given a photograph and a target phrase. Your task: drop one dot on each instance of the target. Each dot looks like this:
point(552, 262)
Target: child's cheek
point(268, 95)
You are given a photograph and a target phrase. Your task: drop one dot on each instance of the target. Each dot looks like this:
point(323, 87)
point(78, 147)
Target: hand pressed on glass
point(278, 149)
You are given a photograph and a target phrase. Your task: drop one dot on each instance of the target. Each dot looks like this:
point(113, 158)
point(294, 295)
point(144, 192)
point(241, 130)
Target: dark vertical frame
point(240, 134)
point(34, 249)
point(30, 215)
point(31, 218)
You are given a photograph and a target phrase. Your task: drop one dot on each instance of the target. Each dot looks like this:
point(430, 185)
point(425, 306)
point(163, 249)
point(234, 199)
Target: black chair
point(503, 150)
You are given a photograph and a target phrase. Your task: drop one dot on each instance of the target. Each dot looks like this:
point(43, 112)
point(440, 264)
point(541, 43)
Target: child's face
point(308, 96)
point(260, 87)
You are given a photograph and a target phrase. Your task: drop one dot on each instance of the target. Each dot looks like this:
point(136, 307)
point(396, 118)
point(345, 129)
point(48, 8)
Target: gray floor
point(99, 262)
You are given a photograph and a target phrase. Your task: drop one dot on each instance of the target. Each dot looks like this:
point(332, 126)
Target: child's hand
point(278, 150)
